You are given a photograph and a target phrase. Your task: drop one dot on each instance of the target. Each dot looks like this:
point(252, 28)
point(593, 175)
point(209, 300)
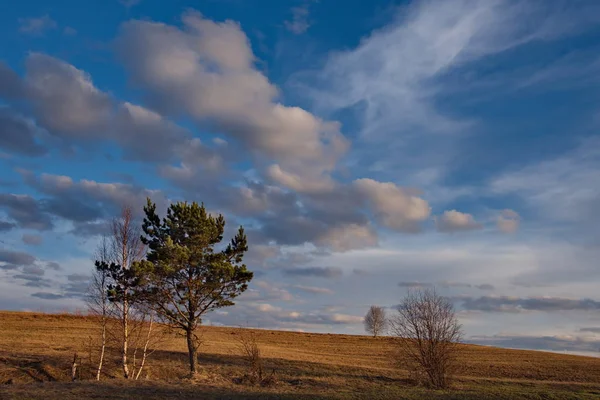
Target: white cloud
point(455, 221)
point(394, 207)
point(207, 71)
point(65, 97)
point(508, 221)
point(348, 237)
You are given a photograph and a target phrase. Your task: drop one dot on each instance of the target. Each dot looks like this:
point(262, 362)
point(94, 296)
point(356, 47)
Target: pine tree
point(186, 275)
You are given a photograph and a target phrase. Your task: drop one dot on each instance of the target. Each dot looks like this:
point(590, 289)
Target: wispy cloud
point(130, 3)
point(396, 80)
point(299, 22)
point(37, 26)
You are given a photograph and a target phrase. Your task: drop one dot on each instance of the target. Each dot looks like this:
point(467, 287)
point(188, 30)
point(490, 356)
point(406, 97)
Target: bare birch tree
point(97, 300)
point(429, 334)
point(127, 249)
point(376, 321)
point(124, 248)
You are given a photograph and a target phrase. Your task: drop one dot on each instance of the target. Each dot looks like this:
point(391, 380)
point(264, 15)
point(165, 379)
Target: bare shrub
point(248, 346)
point(429, 335)
point(376, 321)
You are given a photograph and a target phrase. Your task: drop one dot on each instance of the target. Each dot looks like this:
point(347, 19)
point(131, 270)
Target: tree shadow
point(143, 390)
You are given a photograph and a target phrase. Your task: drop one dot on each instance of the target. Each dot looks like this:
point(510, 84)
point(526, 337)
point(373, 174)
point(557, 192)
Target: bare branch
point(429, 334)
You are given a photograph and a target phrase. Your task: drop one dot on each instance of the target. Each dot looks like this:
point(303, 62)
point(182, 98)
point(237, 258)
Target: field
point(36, 351)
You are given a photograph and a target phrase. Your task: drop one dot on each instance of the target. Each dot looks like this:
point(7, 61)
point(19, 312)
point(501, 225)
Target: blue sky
point(367, 149)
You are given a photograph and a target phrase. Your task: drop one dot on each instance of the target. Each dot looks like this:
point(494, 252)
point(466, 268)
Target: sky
point(368, 148)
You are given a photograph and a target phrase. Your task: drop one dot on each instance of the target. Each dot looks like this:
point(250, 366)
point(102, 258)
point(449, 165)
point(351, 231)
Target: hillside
point(36, 351)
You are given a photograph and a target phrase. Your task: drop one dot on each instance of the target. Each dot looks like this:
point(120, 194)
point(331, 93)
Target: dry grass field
point(36, 351)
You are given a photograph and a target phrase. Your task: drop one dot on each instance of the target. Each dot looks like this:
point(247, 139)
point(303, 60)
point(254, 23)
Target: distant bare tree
point(376, 321)
point(429, 335)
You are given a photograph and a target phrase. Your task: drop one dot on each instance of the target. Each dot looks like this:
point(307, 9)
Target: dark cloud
point(78, 278)
point(321, 272)
point(16, 257)
point(291, 230)
point(265, 291)
point(25, 211)
point(415, 285)
point(36, 281)
point(86, 203)
point(6, 226)
point(9, 267)
point(549, 343)
point(446, 285)
point(53, 265)
point(516, 304)
point(90, 229)
point(11, 85)
point(33, 270)
point(48, 296)
point(75, 288)
point(591, 330)
point(483, 286)
point(71, 209)
point(18, 135)
point(32, 240)
point(360, 271)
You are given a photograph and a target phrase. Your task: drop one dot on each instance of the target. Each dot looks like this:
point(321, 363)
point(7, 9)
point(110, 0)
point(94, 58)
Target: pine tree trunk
point(192, 351)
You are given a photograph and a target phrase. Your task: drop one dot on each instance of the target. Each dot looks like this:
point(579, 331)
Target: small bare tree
point(429, 334)
point(376, 321)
